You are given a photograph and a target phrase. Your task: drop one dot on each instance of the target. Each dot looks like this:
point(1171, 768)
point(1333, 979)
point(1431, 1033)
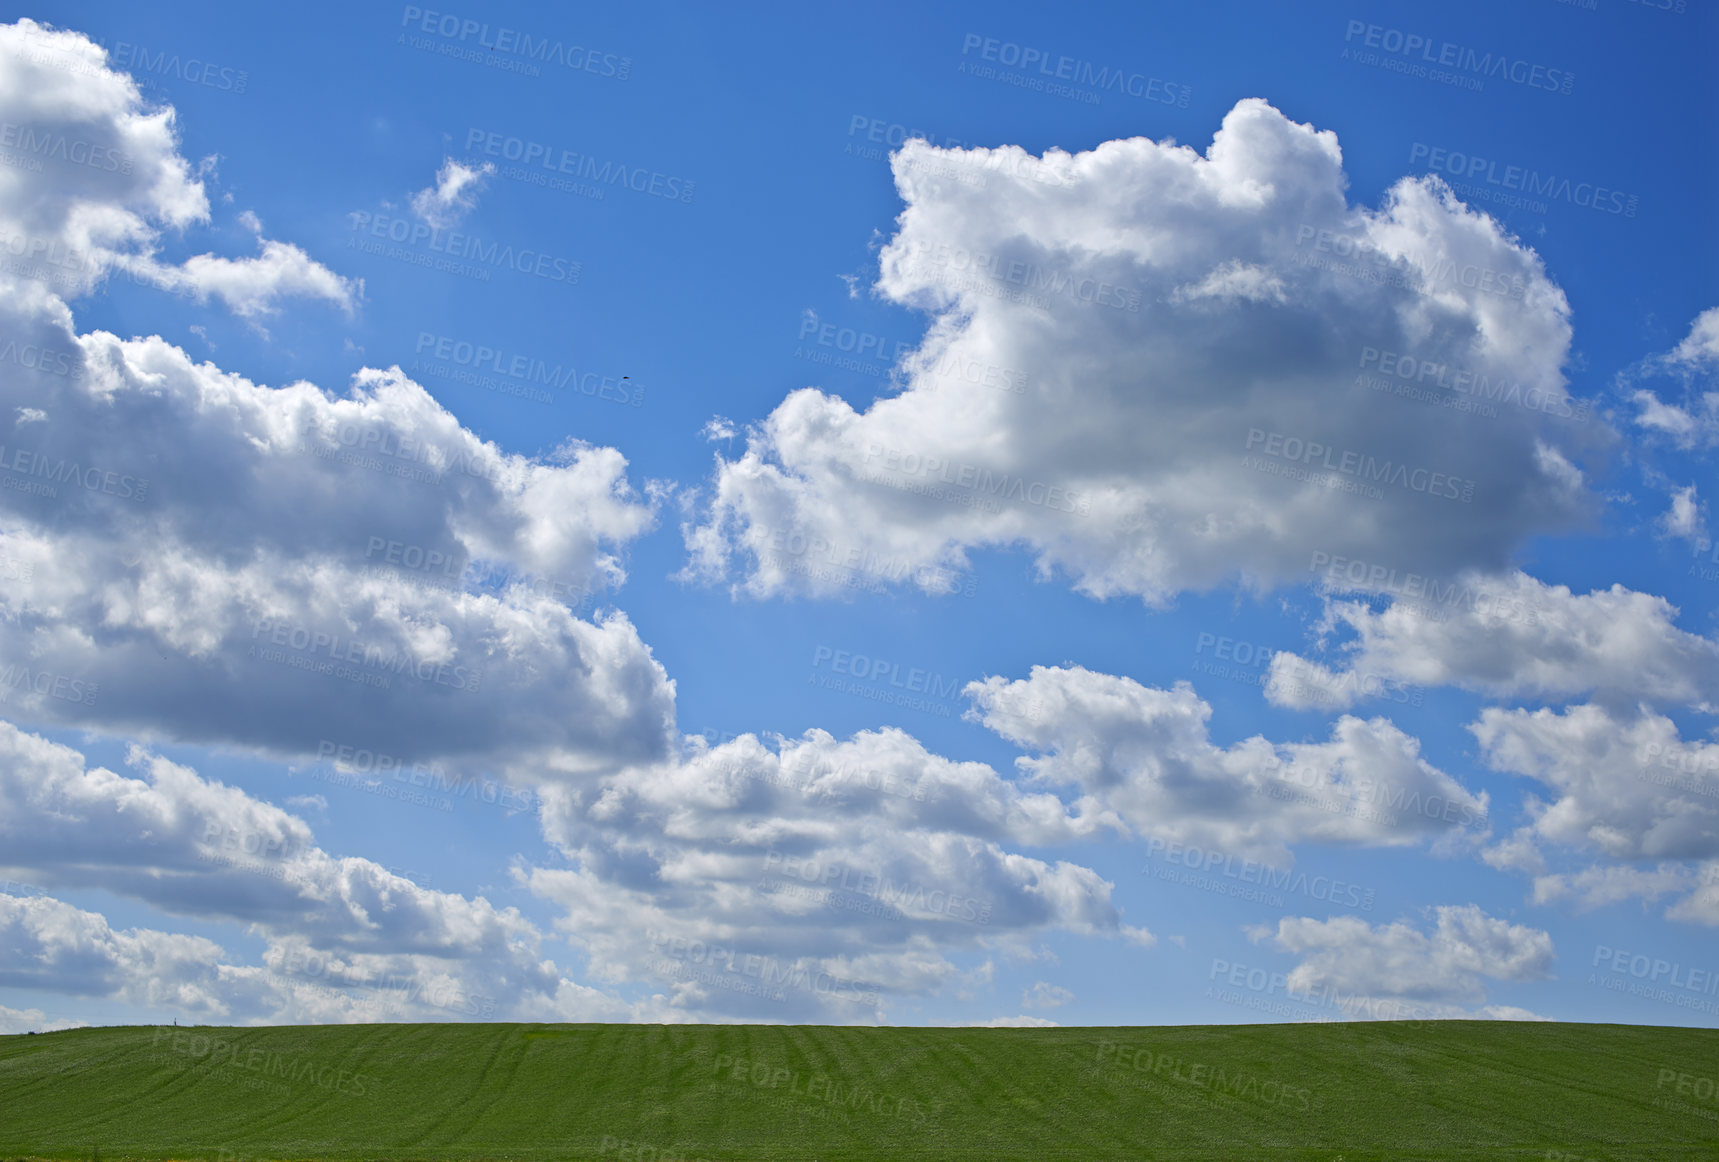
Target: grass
point(1340, 1092)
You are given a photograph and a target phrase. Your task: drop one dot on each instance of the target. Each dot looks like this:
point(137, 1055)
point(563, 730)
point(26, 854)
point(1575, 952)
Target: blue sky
point(1232, 401)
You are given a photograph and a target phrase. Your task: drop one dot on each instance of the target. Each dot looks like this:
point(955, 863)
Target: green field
point(652, 1093)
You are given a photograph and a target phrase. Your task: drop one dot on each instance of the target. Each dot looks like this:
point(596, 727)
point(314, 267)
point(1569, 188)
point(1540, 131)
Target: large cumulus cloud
point(1190, 326)
point(1511, 636)
point(1621, 787)
point(190, 554)
point(1397, 967)
point(1145, 754)
point(344, 938)
point(891, 870)
point(814, 877)
point(97, 180)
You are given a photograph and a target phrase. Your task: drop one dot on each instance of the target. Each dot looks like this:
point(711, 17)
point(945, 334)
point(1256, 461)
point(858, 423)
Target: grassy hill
point(655, 1093)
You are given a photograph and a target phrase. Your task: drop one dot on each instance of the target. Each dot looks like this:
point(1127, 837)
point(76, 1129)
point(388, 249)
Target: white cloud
point(1518, 853)
point(253, 287)
point(1511, 637)
point(216, 560)
point(1044, 995)
point(1598, 886)
point(297, 567)
point(1163, 308)
point(177, 514)
point(51, 946)
point(33, 1021)
point(454, 195)
point(110, 179)
point(1145, 755)
point(1702, 905)
point(870, 865)
point(1686, 519)
point(1440, 972)
point(1700, 348)
point(1234, 280)
point(1694, 421)
point(891, 869)
point(345, 938)
point(1626, 787)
